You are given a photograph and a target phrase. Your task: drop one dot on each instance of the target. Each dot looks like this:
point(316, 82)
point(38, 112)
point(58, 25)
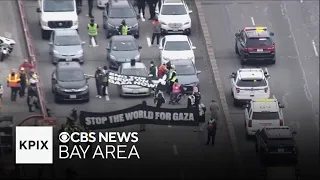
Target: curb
point(214, 67)
point(31, 54)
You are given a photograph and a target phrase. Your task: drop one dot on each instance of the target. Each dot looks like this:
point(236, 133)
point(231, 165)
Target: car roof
point(251, 74)
point(275, 132)
point(181, 62)
point(66, 32)
point(173, 2)
point(257, 32)
point(265, 105)
point(138, 65)
point(68, 65)
point(119, 3)
point(122, 38)
point(176, 38)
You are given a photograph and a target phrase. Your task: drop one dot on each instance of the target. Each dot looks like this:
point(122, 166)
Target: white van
point(57, 14)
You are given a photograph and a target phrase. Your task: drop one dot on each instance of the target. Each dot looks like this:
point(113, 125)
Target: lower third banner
point(137, 115)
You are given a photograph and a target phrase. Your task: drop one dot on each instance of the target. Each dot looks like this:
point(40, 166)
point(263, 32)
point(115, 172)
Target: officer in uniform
point(13, 81)
point(123, 28)
point(93, 31)
point(172, 79)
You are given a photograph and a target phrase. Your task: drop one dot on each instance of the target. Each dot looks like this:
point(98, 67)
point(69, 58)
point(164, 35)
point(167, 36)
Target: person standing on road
point(153, 70)
point(191, 101)
point(79, 2)
point(159, 100)
point(202, 115)
point(214, 108)
point(99, 76)
point(144, 108)
point(93, 32)
point(32, 98)
point(159, 4)
point(123, 28)
point(212, 129)
point(151, 5)
point(156, 26)
point(141, 7)
point(105, 82)
point(13, 81)
point(23, 82)
point(90, 7)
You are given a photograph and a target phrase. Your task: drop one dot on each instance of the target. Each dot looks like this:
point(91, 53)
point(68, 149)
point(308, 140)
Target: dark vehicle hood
point(117, 22)
point(72, 85)
point(124, 56)
point(188, 79)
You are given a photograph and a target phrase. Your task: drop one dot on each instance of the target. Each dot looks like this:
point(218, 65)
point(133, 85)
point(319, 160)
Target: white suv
point(261, 113)
point(57, 14)
point(249, 84)
point(174, 47)
point(174, 16)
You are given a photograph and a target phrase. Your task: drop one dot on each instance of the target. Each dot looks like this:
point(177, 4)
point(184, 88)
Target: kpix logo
point(34, 145)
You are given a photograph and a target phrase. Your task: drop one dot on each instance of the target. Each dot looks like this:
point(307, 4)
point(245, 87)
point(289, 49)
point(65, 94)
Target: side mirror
point(50, 43)
point(237, 34)
point(190, 11)
point(83, 42)
point(198, 72)
point(160, 48)
point(271, 34)
point(140, 47)
point(193, 47)
point(38, 10)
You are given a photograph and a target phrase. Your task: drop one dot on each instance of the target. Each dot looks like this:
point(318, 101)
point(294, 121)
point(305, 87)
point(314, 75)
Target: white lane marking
point(93, 42)
point(107, 98)
point(149, 41)
point(169, 126)
point(141, 17)
point(301, 1)
point(315, 48)
point(252, 20)
point(304, 77)
point(175, 150)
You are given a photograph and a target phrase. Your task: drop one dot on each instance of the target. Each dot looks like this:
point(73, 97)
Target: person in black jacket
point(99, 76)
point(159, 100)
point(191, 101)
point(151, 5)
point(33, 99)
point(23, 82)
point(90, 7)
point(212, 129)
point(105, 82)
point(141, 7)
point(144, 108)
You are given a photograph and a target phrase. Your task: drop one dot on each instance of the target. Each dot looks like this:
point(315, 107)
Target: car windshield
point(177, 46)
point(67, 41)
point(173, 10)
point(70, 75)
point(123, 46)
point(58, 5)
point(265, 115)
point(121, 13)
point(252, 83)
point(259, 42)
point(135, 72)
point(184, 68)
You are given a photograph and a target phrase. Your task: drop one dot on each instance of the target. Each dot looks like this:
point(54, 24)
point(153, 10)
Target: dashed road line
point(149, 41)
point(175, 150)
point(252, 20)
point(315, 48)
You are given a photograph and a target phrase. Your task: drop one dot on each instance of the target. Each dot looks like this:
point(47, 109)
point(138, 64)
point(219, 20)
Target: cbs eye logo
point(64, 137)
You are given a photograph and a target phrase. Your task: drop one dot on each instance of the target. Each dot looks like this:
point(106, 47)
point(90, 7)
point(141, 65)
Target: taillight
point(247, 49)
point(250, 123)
point(265, 90)
point(238, 90)
point(272, 48)
point(281, 123)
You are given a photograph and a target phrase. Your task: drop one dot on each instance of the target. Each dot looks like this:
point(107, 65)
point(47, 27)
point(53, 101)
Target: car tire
point(56, 100)
point(188, 33)
point(235, 102)
point(81, 62)
point(242, 61)
point(137, 36)
point(236, 49)
point(45, 34)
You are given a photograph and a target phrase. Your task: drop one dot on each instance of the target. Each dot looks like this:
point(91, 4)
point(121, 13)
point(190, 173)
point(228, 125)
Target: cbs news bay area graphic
point(34, 145)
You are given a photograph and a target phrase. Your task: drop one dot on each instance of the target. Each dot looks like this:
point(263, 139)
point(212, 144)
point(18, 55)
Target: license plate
point(175, 30)
point(280, 150)
point(265, 124)
point(259, 50)
point(73, 96)
point(68, 59)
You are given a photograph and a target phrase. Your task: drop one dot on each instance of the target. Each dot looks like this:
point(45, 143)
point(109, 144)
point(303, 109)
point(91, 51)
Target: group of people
point(19, 81)
point(101, 76)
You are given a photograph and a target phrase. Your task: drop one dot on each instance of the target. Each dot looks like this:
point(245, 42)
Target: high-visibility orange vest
point(13, 80)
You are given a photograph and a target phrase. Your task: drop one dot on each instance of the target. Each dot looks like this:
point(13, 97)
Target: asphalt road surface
point(167, 151)
point(294, 77)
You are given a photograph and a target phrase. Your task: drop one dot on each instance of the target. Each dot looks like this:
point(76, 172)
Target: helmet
point(22, 69)
point(35, 76)
point(123, 21)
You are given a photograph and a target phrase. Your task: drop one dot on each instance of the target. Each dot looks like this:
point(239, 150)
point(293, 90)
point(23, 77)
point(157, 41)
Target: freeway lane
point(294, 77)
point(160, 145)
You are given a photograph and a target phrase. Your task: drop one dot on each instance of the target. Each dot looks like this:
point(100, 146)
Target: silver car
point(66, 45)
point(139, 69)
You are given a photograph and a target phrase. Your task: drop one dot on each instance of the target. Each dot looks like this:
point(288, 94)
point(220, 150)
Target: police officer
point(141, 7)
point(93, 32)
point(13, 81)
point(153, 70)
point(172, 79)
point(123, 28)
point(90, 5)
point(99, 76)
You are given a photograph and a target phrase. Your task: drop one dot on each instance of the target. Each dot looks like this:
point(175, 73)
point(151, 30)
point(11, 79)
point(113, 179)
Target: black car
point(276, 145)
point(69, 83)
point(122, 49)
point(254, 44)
point(187, 74)
point(116, 11)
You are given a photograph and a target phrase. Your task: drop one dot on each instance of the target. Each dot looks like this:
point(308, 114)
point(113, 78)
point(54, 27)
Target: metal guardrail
point(31, 54)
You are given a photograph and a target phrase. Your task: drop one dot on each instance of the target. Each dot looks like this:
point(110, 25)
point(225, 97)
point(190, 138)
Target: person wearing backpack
point(212, 128)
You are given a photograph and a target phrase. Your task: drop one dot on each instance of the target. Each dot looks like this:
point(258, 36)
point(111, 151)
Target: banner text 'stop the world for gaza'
point(141, 114)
